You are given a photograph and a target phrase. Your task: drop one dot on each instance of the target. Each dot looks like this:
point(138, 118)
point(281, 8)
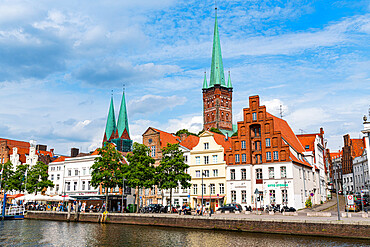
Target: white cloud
point(154, 104)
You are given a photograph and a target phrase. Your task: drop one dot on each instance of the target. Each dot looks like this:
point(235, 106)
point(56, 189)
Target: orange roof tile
point(167, 138)
point(287, 133)
point(14, 143)
point(221, 140)
point(358, 146)
point(307, 140)
point(335, 155)
point(60, 159)
point(190, 141)
point(96, 152)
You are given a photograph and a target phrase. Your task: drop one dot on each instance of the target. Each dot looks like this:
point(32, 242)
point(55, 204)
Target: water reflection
point(52, 233)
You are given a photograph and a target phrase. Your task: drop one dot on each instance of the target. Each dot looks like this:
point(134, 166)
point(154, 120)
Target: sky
point(60, 61)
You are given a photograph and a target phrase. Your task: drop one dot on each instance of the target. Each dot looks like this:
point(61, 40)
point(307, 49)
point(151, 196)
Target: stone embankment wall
point(295, 227)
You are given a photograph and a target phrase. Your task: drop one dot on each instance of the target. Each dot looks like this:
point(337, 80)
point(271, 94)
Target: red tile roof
point(287, 133)
point(190, 141)
point(167, 138)
point(221, 140)
point(334, 155)
point(60, 159)
point(14, 143)
point(307, 140)
point(358, 146)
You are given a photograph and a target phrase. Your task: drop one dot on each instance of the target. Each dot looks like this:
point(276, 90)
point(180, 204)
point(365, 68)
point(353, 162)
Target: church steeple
point(217, 97)
point(110, 128)
point(205, 85)
point(122, 123)
point(217, 67)
point(229, 82)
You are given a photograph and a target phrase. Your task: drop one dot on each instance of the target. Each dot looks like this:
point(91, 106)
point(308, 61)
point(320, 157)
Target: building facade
point(72, 175)
point(266, 163)
point(207, 164)
point(361, 173)
point(315, 153)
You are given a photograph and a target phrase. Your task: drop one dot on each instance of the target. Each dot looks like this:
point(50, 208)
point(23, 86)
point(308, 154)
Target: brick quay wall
point(292, 226)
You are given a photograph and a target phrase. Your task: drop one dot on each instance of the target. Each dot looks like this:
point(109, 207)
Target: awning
point(212, 197)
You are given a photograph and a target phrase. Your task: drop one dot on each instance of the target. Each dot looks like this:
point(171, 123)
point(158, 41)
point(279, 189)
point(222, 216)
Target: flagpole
point(25, 185)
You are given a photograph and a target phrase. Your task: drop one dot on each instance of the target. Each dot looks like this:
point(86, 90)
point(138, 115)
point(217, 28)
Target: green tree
point(107, 170)
point(140, 171)
point(18, 179)
point(215, 130)
point(235, 134)
point(38, 178)
point(185, 131)
point(6, 176)
point(171, 172)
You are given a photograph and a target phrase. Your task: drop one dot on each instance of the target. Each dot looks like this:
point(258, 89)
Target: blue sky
point(59, 61)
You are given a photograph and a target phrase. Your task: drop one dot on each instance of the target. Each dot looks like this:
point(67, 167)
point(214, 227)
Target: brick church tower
point(217, 95)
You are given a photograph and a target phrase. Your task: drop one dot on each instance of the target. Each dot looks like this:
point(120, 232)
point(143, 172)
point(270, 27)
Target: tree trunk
point(171, 200)
point(106, 199)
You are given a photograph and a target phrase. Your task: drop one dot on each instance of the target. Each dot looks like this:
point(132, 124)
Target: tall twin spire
point(121, 130)
point(217, 67)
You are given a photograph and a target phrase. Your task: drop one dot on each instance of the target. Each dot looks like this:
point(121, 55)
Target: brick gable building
point(266, 156)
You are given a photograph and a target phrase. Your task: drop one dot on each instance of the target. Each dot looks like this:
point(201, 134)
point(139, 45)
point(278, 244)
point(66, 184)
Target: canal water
point(53, 233)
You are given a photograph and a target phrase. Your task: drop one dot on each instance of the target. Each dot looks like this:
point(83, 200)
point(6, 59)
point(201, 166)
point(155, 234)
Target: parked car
point(361, 203)
point(154, 208)
point(352, 208)
point(287, 209)
point(231, 207)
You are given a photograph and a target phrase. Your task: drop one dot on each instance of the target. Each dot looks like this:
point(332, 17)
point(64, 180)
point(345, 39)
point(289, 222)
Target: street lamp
point(202, 191)
point(210, 195)
point(123, 192)
point(336, 188)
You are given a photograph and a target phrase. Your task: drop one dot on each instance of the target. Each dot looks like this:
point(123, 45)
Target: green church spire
point(205, 85)
point(217, 67)
point(122, 123)
point(110, 128)
point(229, 82)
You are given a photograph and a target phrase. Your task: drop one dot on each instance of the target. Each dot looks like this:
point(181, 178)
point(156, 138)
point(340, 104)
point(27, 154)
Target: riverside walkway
point(300, 224)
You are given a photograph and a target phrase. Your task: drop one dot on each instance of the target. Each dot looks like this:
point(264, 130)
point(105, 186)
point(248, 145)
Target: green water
point(53, 233)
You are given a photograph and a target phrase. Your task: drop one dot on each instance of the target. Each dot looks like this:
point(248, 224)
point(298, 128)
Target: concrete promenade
point(354, 227)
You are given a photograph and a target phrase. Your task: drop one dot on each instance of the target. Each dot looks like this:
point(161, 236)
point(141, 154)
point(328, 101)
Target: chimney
point(52, 151)
point(41, 147)
point(74, 152)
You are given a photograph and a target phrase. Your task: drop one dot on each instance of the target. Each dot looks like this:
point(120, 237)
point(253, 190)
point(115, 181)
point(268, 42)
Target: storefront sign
point(277, 185)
